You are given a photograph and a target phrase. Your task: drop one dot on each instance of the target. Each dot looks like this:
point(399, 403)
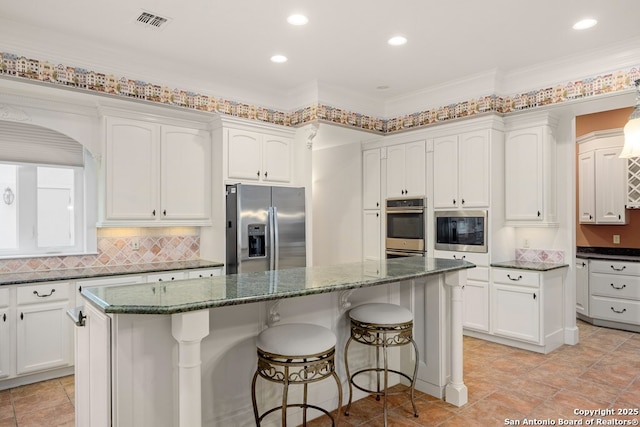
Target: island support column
point(189, 329)
point(456, 391)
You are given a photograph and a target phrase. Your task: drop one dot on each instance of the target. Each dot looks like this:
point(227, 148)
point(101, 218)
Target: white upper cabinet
point(131, 159)
point(461, 170)
point(185, 173)
point(587, 187)
point(602, 178)
point(530, 172)
point(156, 173)
point(406, 169)
point(371, 179)
point(258, 157)
point(610, 186)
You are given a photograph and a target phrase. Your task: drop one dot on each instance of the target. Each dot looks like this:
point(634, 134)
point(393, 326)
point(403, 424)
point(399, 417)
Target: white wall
point(337, 195)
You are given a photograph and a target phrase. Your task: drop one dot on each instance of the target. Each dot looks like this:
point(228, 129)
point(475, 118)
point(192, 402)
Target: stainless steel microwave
point(461, 230)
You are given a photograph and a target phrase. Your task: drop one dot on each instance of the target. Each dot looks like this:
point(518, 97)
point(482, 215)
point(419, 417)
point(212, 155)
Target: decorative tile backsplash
point(539, 255)
point(115, 250)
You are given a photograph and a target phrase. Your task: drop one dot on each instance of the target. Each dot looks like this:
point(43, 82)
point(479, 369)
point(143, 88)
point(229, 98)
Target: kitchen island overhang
point(433, 292)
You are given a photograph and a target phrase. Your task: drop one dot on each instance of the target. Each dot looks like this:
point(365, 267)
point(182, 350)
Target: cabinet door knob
point(454, 201)
point(539, 214)
point(154, 212)
point(377, 214)
point(258, 173)
point(4, 317)
point(462, 201)
point(377, 204)
point(266, 174)
point(534, 295)
point(21, 316)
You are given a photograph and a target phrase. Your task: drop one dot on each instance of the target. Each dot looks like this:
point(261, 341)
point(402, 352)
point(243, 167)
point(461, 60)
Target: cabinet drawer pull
point(619, 312)
point(618, 287)
point(44, 296)
point(463, 257)
point(514, 279)
point(618, 269)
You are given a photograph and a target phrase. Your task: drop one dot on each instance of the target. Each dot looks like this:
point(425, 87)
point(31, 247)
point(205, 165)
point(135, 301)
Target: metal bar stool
point(382, 326)
point(297, 353)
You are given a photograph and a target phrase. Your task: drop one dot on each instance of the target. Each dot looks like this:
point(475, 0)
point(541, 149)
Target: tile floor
point(504, 383)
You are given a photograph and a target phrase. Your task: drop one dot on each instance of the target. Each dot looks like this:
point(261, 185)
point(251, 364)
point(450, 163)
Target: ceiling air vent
point(151, 20)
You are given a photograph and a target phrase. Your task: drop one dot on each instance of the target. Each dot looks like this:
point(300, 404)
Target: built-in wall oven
point(461, 230)
point(406, 227)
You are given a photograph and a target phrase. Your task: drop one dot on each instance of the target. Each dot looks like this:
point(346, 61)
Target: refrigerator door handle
point(275, 240)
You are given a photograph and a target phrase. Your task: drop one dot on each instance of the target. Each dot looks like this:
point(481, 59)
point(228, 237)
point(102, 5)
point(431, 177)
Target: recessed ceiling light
point(382, 87)
point(278, 59)
point(297, 19)
point(397, 41)
point(584, 24)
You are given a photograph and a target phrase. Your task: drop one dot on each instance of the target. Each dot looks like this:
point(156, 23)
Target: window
point(41, 210)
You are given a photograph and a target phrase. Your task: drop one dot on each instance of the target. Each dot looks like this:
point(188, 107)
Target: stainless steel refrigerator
point(265, 228)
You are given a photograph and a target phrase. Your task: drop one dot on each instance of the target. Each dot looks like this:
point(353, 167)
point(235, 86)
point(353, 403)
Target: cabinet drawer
point(4, 297)
point(617, 310)
point(478, 273)
point(476, 258)
point(46, 292)
point(615, 285)
point(614, 267)
point(516, 277)
point(165, 277)
point(196, 274)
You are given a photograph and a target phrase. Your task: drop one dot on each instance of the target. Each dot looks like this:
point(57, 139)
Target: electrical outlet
point(616, 239)
point(135, 243)
point(525, 244)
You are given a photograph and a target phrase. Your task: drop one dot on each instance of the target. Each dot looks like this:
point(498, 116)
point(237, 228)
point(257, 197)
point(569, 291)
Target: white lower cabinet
point(5, 334)
point(517, 312)
point(475, 294)
point(475, 305)
point(93, 369)
point(43, 331)
point(582, 287)
point(527, 308)
point(614, 294)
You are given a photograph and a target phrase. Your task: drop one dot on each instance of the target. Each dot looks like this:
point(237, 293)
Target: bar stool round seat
point(295, 354)
point(381, 326)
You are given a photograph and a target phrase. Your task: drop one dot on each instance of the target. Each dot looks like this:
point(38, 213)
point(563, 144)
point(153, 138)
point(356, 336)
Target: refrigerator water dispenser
point(257, 243)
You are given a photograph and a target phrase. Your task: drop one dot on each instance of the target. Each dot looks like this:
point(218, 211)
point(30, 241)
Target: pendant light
point(632, 130)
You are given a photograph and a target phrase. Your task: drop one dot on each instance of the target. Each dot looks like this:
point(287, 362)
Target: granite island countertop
point(529, 265)
point(197, 294)
point(103, 271)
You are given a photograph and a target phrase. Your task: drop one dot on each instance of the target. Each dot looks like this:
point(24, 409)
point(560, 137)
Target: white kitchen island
point(183, 353)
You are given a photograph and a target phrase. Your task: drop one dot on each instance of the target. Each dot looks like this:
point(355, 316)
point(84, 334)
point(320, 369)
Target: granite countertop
point(529, 265)
point(105, 271)
point(197, 294)
point(615, 254)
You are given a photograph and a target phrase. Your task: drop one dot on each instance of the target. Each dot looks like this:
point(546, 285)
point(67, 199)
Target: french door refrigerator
point(265, 228)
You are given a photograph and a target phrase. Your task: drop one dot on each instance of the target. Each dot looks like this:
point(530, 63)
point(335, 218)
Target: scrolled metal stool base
point(295, 370)
point(381, 336)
